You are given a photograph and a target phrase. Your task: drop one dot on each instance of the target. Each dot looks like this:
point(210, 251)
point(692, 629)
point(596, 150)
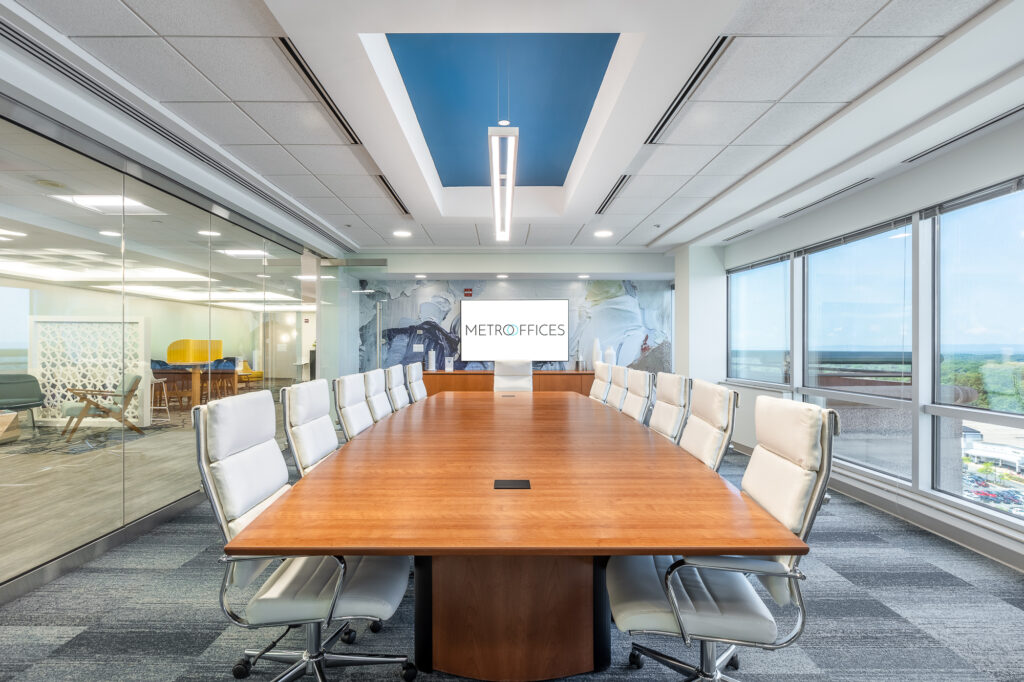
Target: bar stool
point(159, 388)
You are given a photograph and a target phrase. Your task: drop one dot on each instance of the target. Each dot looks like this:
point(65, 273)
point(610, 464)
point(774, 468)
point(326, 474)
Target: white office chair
point(414, 377)
point(708, 429)
point(350, 399)
point(243, 472)
point(638, 395)
point(670, 398)
point(395, 376)
point(602, 382)
point(376, 394)
point(512, 375)
point(619, 388)
point(709, 599)
point(308, 425)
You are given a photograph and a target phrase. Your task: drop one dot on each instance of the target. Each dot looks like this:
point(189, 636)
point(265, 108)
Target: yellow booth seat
point(186, 351)
point(246, 375)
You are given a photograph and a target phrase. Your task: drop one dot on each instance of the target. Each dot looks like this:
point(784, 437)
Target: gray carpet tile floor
point(886, 601)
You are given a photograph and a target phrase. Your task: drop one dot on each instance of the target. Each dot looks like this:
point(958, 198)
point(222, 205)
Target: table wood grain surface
point(422, 482)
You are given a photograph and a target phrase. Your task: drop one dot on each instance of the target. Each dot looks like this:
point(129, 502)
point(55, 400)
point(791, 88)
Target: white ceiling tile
point(326, 205)
point(670, 159)
point(517, 237)
point(295, 122)
point(708, 185)
point(680, 207)
point(154, 67)
point(300, 186)
point(349, 186)
point(712, 122)
point(360, 234)
point(922, 17)
point(632, 205)
point(246, 69)
point(223, 122)
point(419, 236)
point(88, 17)
point(855, 67)
point(388, 223)
point(763, 69)
point(552, 235)
point(267, 159)
point(657, 186)
point(329, 159)
point(452, 235)
point(376, 205)
point(206, 18)
point(787, 122)
point(619, 225)
point(650, 229)
point(801, 17)
point(737, 160)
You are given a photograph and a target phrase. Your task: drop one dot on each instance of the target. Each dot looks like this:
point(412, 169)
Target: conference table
point(509, 582)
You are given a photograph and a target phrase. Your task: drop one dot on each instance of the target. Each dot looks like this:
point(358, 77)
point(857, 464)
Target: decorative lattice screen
point(91, 354)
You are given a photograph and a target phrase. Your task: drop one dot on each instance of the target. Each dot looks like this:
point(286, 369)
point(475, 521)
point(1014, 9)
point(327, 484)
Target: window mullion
point(922, 358)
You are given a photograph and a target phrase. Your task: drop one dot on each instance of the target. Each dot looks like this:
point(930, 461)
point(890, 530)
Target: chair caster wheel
point(635, 660)
point(376, 626)
point(734, 663)
point(409, 671)
point(242, 669)
point(348, 636)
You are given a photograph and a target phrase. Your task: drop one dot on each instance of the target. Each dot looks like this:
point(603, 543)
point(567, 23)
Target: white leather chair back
point(638, 395)
point(619, 388)
point(789, 469)
point(602, 382)
point(350, 398)
point(395, 375)
point(669, 405)
point(414, 376)
point(376, 394)
point(708, 428)
point(512, 375)
point(240, 462)
point(308, 424)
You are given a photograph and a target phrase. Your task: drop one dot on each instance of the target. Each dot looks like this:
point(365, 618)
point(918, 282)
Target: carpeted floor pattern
point(886, 601)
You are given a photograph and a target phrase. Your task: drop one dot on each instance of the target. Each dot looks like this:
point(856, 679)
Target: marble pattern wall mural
point(633, 317)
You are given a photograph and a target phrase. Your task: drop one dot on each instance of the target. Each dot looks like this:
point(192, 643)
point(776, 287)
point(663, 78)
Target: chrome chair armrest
point(740, 564)
point(794, 576)
point(230, 560)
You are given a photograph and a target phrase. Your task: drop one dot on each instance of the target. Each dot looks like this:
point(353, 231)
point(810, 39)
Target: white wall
point(700, 319)
point(974, 164)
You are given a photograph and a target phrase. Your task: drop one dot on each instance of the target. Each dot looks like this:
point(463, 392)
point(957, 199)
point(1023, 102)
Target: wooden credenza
point(483, 380)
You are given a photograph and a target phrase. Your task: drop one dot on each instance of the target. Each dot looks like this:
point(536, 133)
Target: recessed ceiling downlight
point(209, 233)
point(583, 276)
point(602, 234)
point(108, 233)
point(502, 276)
point(402, 233)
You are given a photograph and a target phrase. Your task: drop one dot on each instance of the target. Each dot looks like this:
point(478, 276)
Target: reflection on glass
point(859, 316)
point(981, 462)
point(759, 324)
point(981, 335)
point(879, 438)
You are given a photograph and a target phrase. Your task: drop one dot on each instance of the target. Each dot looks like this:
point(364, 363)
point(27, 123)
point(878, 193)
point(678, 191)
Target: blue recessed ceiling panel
point(462, 83)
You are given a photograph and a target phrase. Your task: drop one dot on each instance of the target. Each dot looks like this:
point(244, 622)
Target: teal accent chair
point(89, 404)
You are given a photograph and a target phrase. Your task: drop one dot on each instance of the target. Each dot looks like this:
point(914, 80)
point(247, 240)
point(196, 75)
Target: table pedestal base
point(520, 618)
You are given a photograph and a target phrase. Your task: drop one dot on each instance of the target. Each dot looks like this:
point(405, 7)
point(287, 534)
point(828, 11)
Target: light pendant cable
point(503, 184)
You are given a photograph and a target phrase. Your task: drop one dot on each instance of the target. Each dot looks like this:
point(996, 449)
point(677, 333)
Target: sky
point(859, 294)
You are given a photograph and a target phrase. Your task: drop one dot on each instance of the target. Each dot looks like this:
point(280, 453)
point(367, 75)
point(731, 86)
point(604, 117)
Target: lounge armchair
point(89, 405)
point(20, 392)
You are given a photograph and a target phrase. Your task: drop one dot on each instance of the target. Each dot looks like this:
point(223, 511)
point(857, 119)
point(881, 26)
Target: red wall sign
point(468, 293)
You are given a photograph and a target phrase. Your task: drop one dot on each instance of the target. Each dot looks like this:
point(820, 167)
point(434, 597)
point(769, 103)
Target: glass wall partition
point(759, 323)
point(124, 307)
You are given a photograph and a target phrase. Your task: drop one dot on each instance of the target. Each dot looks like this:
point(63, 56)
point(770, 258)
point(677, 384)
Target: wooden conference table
point(510, 583)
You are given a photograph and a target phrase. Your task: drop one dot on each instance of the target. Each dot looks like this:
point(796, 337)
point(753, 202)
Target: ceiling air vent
point(957, 138)
point(616, 188)
point(826, 198)
point(393, 194)
point(738, 235)
point(695, 79)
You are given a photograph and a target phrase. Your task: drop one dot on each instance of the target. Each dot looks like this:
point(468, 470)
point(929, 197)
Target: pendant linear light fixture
point(503, 143)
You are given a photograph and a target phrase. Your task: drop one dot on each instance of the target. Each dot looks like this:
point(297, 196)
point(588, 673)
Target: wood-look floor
point(421, 482)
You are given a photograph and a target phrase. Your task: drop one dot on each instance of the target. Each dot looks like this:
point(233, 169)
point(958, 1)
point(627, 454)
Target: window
point(981, 462)
point(859, 316)
point(759, 323)
point(980, 249)
point(873, 436)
